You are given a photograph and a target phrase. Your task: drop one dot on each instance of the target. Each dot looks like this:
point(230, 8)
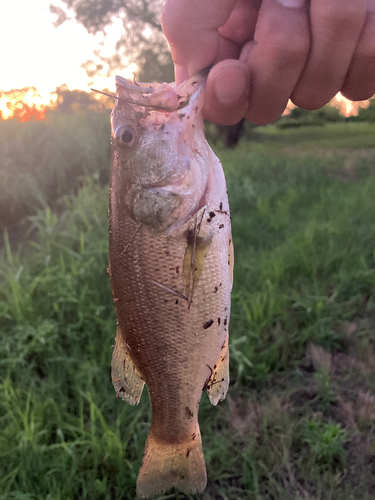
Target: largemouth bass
point(171, 268)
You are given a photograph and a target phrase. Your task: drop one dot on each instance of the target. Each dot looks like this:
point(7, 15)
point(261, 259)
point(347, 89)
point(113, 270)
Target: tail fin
point(166, 466)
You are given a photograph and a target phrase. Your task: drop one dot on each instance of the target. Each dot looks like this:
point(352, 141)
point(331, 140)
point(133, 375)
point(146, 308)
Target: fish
point(171, 272)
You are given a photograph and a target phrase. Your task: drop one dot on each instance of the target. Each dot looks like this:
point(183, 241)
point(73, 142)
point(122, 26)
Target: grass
point(34, 170)
point(329, 136)
point(299, 421)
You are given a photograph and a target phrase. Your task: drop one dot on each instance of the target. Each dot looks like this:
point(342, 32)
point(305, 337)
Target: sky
point(34, 53)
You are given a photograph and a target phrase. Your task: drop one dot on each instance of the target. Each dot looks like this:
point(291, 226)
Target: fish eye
point(126, 136)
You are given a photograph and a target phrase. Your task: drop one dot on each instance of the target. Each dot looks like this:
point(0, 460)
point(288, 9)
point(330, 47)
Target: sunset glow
point(35, 54)
point(23, 104)
point(346, 107)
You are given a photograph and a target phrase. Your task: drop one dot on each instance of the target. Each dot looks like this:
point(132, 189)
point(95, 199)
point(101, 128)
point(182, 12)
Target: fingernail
point(294, 4)
point(231, 84)
point(246, 51)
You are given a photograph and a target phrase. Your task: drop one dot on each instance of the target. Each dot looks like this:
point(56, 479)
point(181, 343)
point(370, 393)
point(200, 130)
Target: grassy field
point(299, 420)
point(41, 161)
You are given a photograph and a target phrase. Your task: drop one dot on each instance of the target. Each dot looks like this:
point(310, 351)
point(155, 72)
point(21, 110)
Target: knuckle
point(342, 16)
point(298, 49)
point(287, 51)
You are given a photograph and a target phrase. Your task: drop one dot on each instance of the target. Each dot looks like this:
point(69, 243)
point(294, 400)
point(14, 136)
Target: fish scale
point(170, 267)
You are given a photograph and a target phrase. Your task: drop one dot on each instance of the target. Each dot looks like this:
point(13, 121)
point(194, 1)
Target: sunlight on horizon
point(35, 54)
point(346, 107)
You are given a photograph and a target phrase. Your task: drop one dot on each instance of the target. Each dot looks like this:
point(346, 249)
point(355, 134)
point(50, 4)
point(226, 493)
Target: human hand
point(268, 51)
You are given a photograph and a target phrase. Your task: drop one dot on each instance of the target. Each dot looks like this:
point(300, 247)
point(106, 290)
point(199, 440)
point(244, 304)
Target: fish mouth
point(141, 88)
point(164, 97)
point(149, 88)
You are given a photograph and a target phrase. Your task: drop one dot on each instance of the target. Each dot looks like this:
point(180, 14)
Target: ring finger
point(360, 80)
point(335, 28)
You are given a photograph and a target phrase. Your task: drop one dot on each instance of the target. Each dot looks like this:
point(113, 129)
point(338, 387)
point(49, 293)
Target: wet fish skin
point(171, 263)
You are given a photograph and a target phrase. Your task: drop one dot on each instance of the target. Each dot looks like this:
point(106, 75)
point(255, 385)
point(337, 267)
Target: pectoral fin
point(217, 386)
point(198, 245)
point(126, 379)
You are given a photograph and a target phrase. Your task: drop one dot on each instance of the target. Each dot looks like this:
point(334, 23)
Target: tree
point(366, 114)
point(22, 105)
point(72, 101)
point(142, 42)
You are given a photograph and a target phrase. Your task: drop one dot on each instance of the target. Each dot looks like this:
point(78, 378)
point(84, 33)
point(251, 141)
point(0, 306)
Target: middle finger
point(276, 58)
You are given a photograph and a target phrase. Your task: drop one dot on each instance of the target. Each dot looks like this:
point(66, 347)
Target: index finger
point(191, 27)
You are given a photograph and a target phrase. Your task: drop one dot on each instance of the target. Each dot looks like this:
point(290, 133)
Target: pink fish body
point(171, 266)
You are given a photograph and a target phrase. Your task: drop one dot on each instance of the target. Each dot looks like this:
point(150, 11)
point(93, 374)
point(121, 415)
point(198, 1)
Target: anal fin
point(217, 386)
point(125, 377)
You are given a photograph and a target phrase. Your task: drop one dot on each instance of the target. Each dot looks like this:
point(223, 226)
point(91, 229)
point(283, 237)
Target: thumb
point(227, 92)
